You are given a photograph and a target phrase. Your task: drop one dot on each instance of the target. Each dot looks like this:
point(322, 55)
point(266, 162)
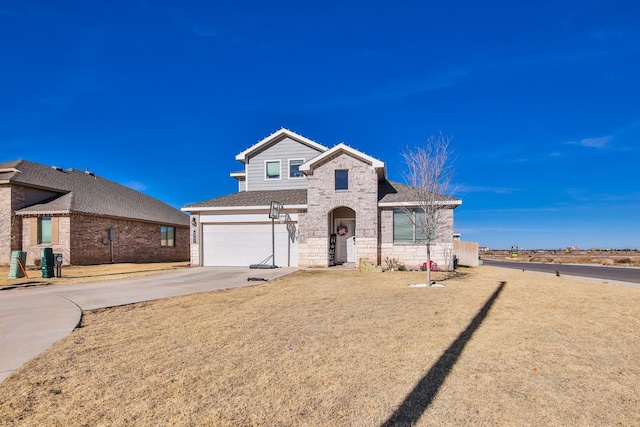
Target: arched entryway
point(342, 231)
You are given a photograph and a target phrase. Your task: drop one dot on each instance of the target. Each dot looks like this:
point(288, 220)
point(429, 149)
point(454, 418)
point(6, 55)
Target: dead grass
point(323, 347)
point(630, 261)
point(88, 273)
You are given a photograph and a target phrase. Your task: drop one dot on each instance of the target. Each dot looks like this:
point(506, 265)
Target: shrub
point(37, 262)
point(393, 263)
point(622, 261)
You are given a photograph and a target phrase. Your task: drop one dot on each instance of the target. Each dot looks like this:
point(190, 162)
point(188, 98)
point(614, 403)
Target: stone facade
point(84, 239)
point(322, 199)
point(363, 210)
point(6, 223)
point(414, 255)
point(11, 199)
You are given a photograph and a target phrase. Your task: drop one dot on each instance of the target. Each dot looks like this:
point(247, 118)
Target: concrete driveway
point(33, 319)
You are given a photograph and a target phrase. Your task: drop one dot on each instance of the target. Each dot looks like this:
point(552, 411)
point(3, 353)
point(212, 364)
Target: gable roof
point(75, 191)
point(277, 135)
point(344, 148)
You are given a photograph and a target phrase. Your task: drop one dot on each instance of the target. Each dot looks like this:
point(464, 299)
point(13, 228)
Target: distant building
point(86, 218)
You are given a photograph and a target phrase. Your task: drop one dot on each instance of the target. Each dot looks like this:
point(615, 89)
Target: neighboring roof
point(87, 193)
point(343, 148)
point(392, 193)
point(282, 133)
point(254, 199)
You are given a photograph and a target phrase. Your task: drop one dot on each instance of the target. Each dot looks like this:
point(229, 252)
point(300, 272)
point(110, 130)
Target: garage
point(243, 244)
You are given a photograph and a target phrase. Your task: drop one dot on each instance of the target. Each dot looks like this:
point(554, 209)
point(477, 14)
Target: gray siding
point(283, 150)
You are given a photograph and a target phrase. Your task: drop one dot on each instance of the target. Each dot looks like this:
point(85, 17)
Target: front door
point(344, 228)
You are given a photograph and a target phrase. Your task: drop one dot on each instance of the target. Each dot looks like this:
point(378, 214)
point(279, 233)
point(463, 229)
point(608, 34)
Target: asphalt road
point(617, 274)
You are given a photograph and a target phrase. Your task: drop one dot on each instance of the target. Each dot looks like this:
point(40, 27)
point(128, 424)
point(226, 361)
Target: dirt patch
point(343, 348)
point(629, 258)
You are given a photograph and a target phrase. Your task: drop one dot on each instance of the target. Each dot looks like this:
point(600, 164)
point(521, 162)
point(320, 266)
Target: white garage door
point(246, 244)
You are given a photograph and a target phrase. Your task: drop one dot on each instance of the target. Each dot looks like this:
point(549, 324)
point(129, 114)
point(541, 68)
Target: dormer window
point(342, 179)
point(272, 169)
point(294, 168)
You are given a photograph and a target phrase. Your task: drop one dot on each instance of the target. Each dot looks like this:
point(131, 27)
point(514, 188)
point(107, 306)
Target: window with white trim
point(409, 227)
point(272, 169)
point(294, 168)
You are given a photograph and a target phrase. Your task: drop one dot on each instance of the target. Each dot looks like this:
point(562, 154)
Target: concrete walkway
point(33, 319)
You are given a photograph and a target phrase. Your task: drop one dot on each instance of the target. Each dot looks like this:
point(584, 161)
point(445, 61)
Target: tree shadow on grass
point(420, 398)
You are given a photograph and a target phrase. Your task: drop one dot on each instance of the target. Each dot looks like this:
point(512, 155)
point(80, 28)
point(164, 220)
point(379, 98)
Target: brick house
point(337, 206)
point(88, 219)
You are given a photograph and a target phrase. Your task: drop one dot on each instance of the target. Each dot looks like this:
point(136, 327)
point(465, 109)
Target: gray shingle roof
point(388, 192)
point(255, 198)
point(394, 192)
point(81, 192)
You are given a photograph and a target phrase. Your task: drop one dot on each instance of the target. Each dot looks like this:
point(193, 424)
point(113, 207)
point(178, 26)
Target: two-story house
point(337, 206)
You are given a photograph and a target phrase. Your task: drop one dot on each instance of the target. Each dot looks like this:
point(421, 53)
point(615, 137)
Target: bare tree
point(429, 174)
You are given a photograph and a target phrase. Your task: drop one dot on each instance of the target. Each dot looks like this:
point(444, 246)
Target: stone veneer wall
point(414, 255)
point(83, 239)
point(6, 224)
point(322, 198)
point(194, 238)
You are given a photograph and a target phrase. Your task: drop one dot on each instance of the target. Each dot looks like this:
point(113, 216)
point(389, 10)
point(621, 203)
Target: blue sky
point(542, 99)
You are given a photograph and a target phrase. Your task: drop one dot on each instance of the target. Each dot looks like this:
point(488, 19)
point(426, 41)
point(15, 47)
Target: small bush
point(37, 262)
point(622, 261)
point(393, 263)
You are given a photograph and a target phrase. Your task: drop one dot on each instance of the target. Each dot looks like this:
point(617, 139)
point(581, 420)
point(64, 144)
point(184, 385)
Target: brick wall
point(84, 239)
point(134, 241)
point(34, 250)
point(322, 199)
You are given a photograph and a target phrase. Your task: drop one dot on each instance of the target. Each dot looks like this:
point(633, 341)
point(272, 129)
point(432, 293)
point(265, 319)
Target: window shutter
point(33, 231)
point(54, 230)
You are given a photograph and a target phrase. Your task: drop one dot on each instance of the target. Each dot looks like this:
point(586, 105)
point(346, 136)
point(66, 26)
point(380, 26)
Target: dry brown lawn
point(342, 348)
point(86, 273)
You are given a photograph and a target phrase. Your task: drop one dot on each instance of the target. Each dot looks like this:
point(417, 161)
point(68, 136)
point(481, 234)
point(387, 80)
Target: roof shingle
point(255, 198)
point(87, 193)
